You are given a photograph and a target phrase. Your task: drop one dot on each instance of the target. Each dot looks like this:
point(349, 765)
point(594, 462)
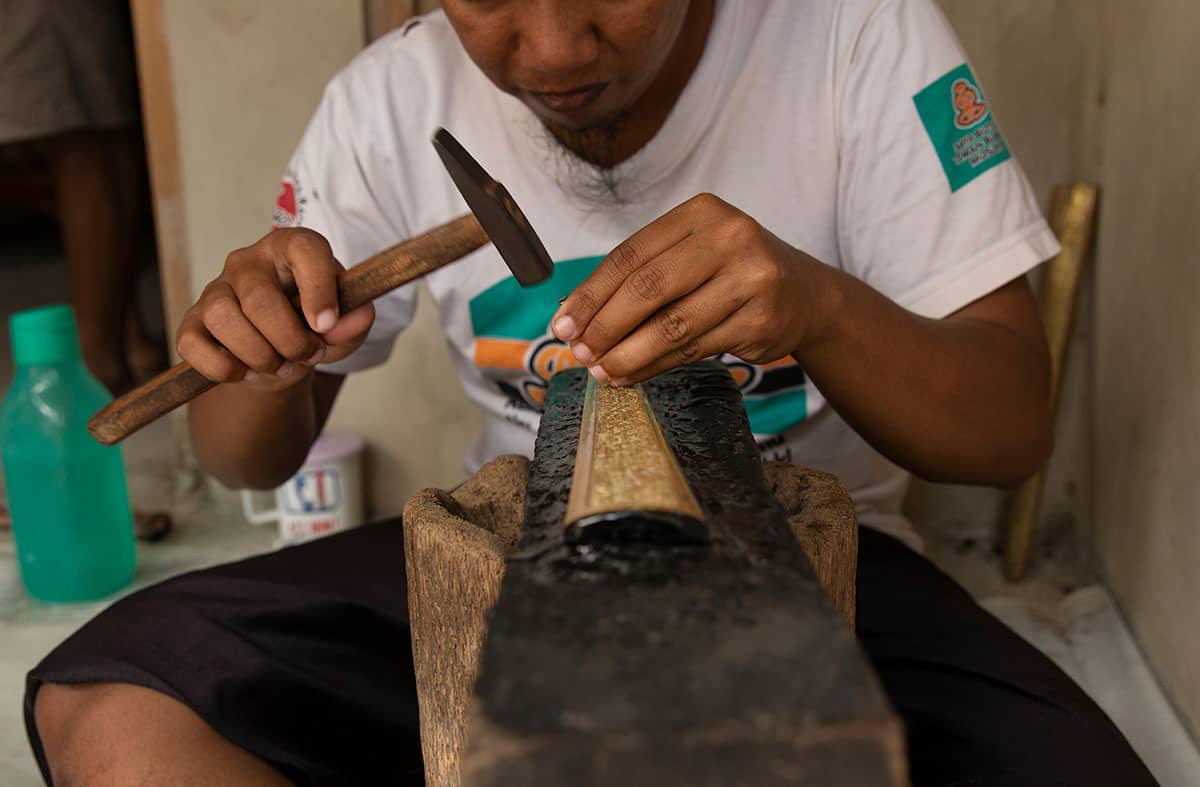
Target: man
point(860, 268)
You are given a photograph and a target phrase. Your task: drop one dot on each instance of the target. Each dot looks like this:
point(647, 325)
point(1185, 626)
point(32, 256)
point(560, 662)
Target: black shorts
point(302, 657)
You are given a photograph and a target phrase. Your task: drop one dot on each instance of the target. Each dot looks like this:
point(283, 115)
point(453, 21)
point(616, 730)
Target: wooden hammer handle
point(361, 284)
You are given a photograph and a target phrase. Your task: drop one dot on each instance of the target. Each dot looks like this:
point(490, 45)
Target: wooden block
point(821, 515)
point(454, 545)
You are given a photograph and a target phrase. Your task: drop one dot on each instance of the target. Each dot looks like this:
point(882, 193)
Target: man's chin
point(590, 134)
point(572, 123)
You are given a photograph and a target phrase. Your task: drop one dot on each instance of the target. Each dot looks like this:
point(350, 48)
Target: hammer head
point(497, 212)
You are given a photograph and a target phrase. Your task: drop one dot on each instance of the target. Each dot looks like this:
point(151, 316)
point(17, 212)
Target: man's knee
point(118, 733)
point(71, 723)
point(58, 708)
point(91, 729)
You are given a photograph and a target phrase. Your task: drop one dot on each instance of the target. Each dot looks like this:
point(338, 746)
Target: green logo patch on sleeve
point(960, 125)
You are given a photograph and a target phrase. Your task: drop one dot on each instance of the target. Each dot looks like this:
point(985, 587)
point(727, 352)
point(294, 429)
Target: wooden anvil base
point(718, 664)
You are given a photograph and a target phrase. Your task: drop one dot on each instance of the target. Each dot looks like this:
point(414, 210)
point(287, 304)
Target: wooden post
point(162, 157)
point(1072, 216)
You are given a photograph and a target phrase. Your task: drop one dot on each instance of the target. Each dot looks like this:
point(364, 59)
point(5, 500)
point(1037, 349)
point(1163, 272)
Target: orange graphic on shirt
point(542, 359)
point(970, 106)
point(551, 357)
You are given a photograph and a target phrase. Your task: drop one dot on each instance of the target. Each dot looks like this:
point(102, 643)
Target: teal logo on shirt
point(960, 125)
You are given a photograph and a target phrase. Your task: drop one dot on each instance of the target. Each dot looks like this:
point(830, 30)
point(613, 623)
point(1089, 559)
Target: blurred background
point(211, 98)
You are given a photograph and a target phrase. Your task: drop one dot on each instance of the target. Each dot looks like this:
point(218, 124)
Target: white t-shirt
point(851, 129)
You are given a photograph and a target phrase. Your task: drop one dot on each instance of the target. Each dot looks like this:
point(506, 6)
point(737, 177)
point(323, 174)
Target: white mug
point(323, 497)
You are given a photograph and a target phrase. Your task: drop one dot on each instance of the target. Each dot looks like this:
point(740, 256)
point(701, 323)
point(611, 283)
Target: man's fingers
point(310, 263)
point(577, 311)
point(694, 349)
point(272, 315)
point(351, 326)
point(245, 324)
point(226, 324)
point(198, 348)
point(672, 327)
point(671, 275)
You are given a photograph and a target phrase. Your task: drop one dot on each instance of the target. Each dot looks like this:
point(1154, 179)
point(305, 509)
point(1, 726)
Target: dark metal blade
point(497, 212)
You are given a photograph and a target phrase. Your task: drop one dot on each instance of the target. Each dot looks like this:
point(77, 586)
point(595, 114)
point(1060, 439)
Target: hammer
point(494, 215)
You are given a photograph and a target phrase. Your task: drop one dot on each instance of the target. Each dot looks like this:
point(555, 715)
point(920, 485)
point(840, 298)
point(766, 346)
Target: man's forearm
point(963, 399)
point(257, 439)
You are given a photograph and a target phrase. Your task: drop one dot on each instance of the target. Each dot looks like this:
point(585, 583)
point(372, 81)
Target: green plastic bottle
point(66, 492)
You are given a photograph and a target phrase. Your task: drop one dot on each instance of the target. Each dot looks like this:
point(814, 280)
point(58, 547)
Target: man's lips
point(569, 100)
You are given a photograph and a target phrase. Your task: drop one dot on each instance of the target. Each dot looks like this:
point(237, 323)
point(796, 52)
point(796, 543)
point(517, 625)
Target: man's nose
point(556, 37)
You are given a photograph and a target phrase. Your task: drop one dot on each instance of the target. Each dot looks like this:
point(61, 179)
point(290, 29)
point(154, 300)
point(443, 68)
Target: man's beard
point(584, 161)
point(597, 144)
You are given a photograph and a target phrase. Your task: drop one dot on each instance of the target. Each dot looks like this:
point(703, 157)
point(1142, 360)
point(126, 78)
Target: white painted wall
point(246, 77)
point(1147, 383)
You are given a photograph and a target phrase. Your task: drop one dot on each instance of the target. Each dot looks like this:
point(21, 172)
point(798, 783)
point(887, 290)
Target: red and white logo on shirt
point(289, 205)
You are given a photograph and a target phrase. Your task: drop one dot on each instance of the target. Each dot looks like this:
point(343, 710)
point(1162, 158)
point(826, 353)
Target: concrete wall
point(228, 56)
point(275, 56)
point(1147, 387)
point(1105, 91)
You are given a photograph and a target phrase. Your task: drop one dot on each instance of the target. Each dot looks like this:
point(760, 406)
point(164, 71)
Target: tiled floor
point(1062, 610)
point(1059, 608)
point(1085, 635)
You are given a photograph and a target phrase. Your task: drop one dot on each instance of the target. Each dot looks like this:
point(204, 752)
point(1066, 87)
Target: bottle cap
point(44, 336)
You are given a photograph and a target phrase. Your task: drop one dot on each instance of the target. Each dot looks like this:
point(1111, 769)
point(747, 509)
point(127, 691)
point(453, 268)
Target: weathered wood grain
point(454, 545)
point(821, 515)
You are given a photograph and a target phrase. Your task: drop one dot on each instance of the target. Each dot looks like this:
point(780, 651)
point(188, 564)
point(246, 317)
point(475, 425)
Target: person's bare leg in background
point(100, 183)
point(144, 355)
point(117, 734)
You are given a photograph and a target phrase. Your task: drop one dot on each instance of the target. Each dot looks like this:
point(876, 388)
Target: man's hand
point(701, 280)
point(959, 399)
point(243, 328)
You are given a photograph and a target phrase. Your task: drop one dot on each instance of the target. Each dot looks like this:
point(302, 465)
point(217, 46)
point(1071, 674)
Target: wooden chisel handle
point(361, 284)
